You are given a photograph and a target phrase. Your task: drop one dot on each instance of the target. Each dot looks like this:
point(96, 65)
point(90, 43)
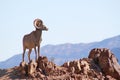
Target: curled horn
point(37, 23)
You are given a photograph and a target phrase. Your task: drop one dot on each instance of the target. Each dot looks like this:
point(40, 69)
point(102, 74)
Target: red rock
point(24, 68)
point(107, 61)
point(32, 66)
point(101, 65)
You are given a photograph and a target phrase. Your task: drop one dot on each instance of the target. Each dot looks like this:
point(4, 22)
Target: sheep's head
point(38, 23)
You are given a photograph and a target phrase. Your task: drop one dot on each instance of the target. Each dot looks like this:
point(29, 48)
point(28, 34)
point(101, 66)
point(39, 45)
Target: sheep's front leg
point(29, 54)
point(38, 51)
point(35, 53)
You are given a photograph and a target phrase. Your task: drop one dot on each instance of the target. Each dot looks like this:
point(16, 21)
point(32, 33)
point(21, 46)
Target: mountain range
point(66, 52)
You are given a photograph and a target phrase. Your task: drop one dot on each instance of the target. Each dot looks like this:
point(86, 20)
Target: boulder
point(42, 62)
point(84, 66)
point(46, 66)
point(106, 61)
point(32, 66)
point(23, 68)
point(95, 53)
point(66, 64)
point(73, 66)
point(108, 77)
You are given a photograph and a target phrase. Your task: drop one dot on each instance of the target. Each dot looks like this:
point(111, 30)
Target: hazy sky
point(69, 21)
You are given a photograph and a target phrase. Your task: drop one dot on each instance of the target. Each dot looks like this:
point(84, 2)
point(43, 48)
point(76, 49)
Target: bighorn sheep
point(34, 39)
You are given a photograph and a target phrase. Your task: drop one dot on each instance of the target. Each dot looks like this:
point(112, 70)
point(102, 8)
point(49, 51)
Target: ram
point(34, 39)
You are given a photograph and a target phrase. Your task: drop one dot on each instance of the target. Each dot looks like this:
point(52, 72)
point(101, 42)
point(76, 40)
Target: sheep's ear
point(37, 23)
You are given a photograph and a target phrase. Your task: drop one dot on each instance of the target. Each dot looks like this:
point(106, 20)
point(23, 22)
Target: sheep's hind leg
point(23, 54)
point(29, 54)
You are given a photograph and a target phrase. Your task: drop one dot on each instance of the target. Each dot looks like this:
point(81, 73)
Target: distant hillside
point(66, 52)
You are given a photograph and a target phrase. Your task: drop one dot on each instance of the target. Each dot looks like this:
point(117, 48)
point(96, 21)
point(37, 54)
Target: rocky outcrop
point(106, 61)
point(84, 69)
point(101, 64)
